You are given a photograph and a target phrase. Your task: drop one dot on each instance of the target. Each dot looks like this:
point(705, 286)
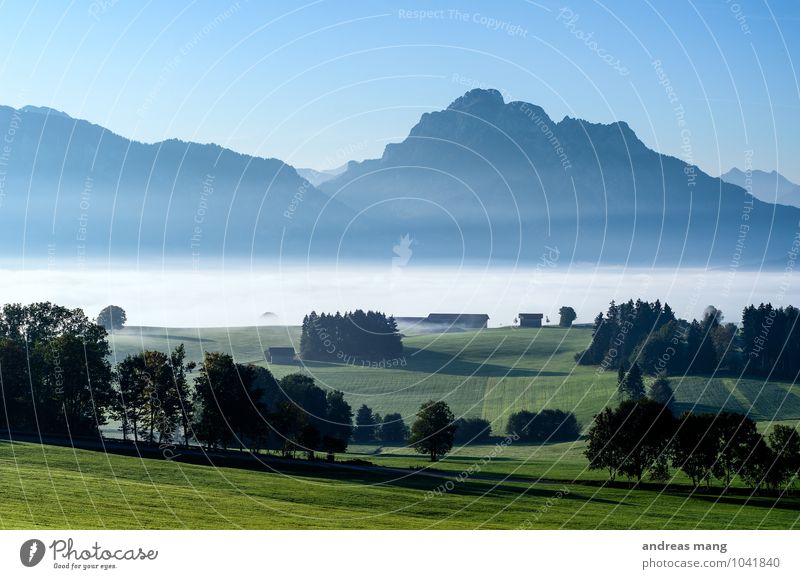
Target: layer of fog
point(239, 296)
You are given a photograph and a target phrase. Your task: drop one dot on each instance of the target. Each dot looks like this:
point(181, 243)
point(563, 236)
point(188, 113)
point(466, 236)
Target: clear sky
point(319, 83)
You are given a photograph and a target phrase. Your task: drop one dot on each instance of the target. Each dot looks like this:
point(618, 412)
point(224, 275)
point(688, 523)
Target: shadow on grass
point(432, 362)
point(761, 501)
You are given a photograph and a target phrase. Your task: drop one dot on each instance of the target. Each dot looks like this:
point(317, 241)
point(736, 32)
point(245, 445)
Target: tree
point(16, 412)
point(472, 430)
point(229, 402)
point(785, 443)
point(701, 353)
point(661, 391)
point(146, 402)
point(736, 436)
point(112, 318)
point(519, 423)
point(288, 423)
point(55, 372)
point(631, 384)
point(365, 430)
point(568, 316)
point(549, 425)
point(179, 369)
point(433, 431)
point(74, 386)
point(631, 439)
point(393, 428)
point(161, 404)
point(602, 449)
point(130, 404)
point(695, 447)
point(759, 464)
point(646, 430)
point(339, 424)
point(621, 372)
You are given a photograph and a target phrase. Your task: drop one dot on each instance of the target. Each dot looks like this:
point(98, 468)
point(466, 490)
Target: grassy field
point(52, 487)
point(488, 373)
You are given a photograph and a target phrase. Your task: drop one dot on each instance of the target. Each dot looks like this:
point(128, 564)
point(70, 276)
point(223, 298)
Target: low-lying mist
point(241, 295)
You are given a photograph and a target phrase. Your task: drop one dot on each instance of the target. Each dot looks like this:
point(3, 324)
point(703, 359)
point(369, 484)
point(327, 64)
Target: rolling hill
point(488, 373)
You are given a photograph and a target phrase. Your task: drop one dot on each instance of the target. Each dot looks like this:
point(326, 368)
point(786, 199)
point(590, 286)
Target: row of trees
point(56, 378)
point(229, 404)
point(642, 438)
point(544, 426)
point(651, 335)
point(54, 370)
point(352, 336)
point(771, 341)
point(371, 427)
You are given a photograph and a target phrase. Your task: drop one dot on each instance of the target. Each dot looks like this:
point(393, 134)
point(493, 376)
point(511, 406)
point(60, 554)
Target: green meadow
point(488, 373)
point(52, 487)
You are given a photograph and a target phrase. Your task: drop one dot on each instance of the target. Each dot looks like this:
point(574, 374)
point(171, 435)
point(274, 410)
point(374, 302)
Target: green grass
point(489, 373)
point(52, 487)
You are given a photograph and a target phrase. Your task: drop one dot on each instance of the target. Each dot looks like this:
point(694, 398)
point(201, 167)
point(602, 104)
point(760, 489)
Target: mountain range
point(483, 180)
point(770, 187)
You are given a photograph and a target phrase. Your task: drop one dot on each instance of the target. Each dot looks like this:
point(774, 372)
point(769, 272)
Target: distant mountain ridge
point(770, 187)
point(317, 178)
point(485, 178)
point(481, 180)
point(80, 191)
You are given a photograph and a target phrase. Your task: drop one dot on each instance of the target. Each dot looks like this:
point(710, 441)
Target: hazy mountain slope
point(317, 178)
point(71, 188)
point(487, 178)
point(482, 180)
point(770, 187)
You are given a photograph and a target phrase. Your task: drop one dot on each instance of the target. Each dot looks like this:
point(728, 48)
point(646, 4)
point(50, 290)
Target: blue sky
point(319, 83)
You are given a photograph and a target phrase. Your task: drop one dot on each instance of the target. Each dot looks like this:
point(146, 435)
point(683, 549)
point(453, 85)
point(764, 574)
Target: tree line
point(642, 438)
point(771, 341)
point(56, 378)
point(54, 370)
point(436, 429)
point(348, 337)
point(650, 334)
point(228, 405)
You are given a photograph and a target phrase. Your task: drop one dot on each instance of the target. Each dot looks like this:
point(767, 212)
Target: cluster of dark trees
point(658, 341)
point(771, 341)
point(642, 438)
point(351, 336)
point(228, 405)
point(371, 427)
point(54, 370)
point(544, 426)
point(56, 379)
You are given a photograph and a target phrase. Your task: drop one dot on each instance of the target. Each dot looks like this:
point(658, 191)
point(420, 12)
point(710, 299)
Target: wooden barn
point(530, 320)
point(281, 356)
